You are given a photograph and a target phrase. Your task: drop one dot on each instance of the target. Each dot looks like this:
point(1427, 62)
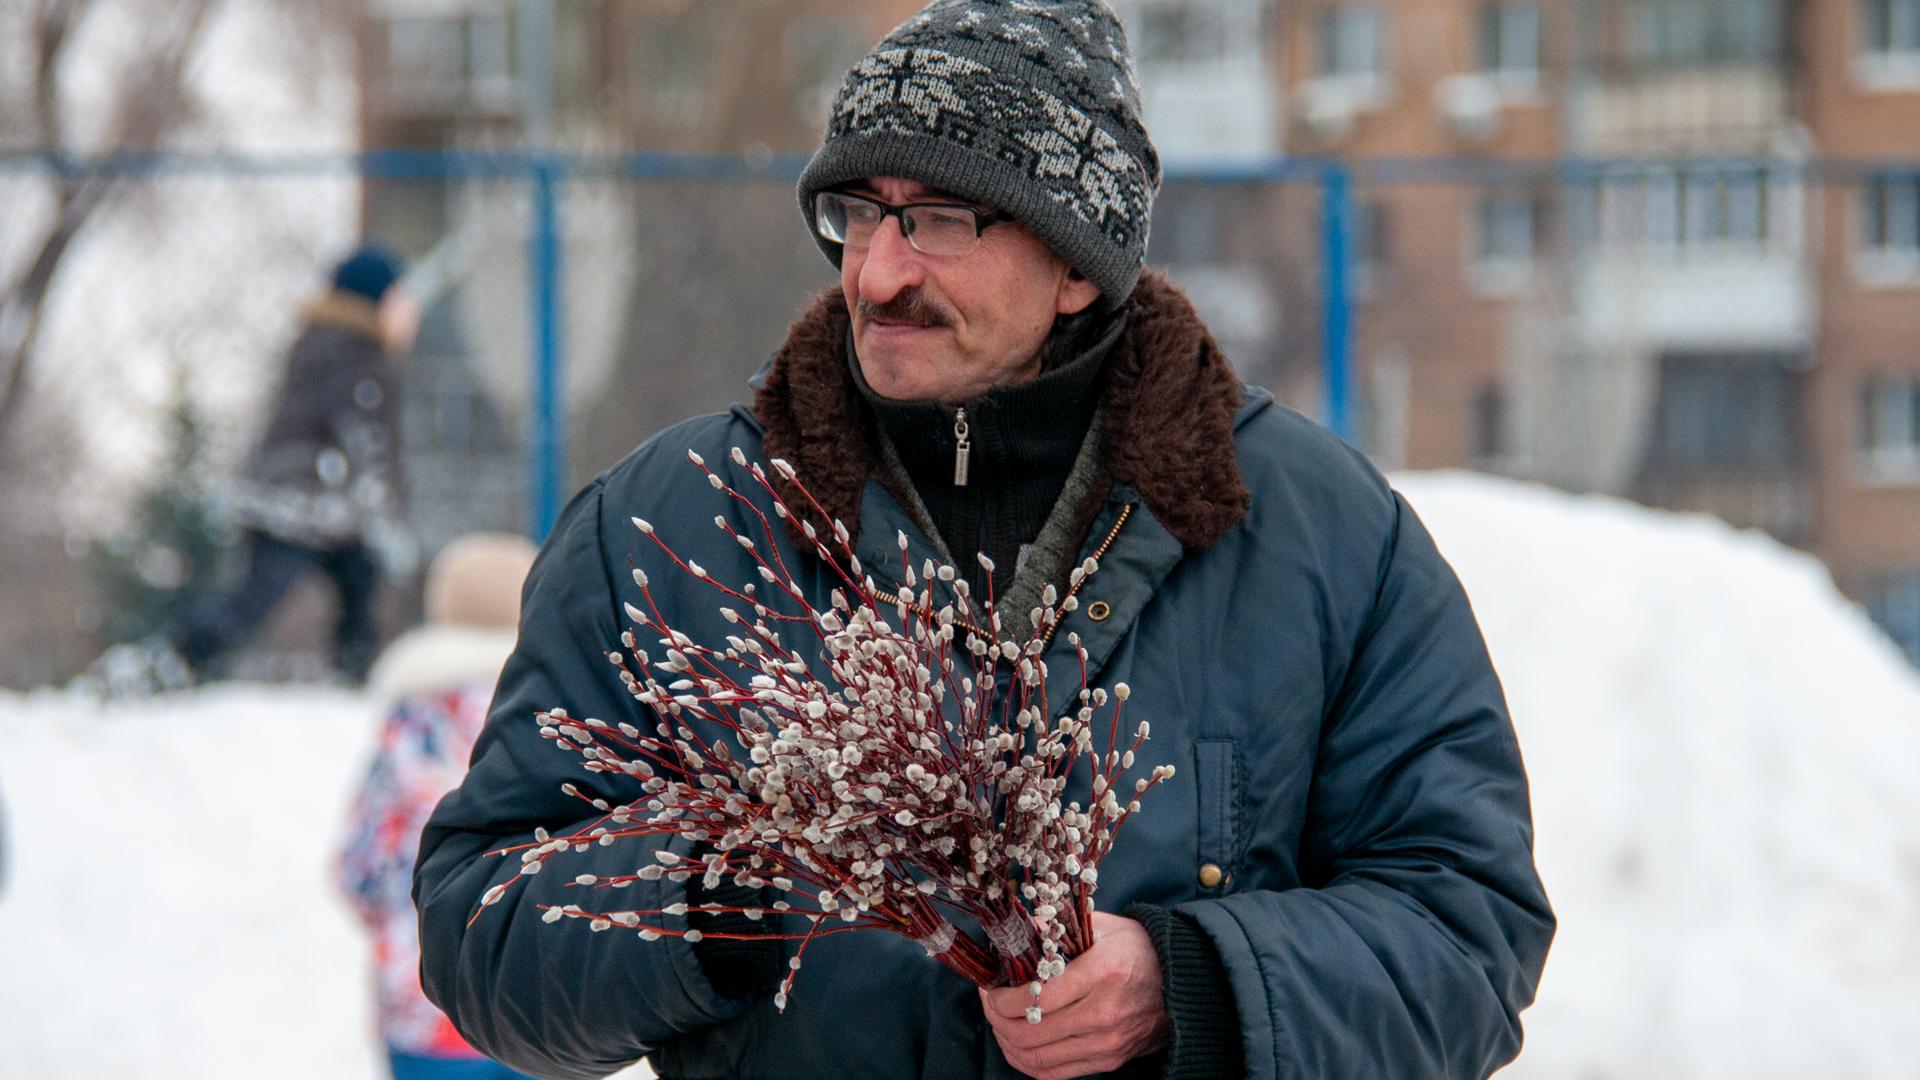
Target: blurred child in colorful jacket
point(436, 682)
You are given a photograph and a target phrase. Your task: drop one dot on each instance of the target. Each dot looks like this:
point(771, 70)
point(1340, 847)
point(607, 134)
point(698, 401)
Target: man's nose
point(891, 263)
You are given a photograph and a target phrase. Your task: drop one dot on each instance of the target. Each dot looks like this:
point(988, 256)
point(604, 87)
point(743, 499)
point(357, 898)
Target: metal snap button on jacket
point(1211, 876)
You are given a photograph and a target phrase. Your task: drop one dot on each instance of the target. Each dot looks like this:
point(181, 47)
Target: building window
point(1508, 237)
point(1726, 414)
point(1510, 42)
point(1890, 225)
point(1490, 438)
point(450, 56)
point(1703, 209)
point(1894, 604)
point(1723, 207)
point(1890, 28)
point(1352, 40)
point(1175, 32)
point(1889, 441)
point(1889, 51)
point(1686, 33)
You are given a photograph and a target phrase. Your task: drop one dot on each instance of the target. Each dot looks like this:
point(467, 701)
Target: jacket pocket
point(1218, 776)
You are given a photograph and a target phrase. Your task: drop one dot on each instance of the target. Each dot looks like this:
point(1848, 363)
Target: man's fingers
point(1080, 1056)
point(1008, 1002)
point(1017, 1031)
point(1064, 989)
point(1083, 975)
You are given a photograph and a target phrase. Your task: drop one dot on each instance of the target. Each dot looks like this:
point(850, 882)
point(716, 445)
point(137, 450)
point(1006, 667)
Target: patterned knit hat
point(1027, 106)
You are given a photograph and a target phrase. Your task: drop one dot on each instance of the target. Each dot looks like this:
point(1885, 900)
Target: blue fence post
point(548, 460)
point(1337, 318)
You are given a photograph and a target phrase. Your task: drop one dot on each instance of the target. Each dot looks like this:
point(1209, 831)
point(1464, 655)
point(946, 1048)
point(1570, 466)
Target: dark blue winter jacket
point(1305, 656)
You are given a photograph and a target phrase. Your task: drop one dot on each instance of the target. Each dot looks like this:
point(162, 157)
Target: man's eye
point(862, 213)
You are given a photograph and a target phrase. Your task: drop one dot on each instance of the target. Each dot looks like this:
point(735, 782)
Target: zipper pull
point(962, 449)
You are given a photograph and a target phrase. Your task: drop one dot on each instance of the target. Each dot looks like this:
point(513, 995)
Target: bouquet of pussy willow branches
point(922, 777)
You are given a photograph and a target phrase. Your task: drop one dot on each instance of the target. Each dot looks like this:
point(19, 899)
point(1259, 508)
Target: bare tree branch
point(152, 103)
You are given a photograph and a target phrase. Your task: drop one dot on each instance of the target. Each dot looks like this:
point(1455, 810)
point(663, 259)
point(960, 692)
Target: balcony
point(1728, 108)
point(1700, 256)
point(1733, 300)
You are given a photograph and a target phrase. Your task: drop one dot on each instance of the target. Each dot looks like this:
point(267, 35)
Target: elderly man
point(1340, 879)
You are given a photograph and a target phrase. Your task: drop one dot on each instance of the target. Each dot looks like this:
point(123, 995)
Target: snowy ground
point(1721, 749)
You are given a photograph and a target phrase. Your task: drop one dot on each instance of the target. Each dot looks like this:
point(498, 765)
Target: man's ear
point(1077, 294)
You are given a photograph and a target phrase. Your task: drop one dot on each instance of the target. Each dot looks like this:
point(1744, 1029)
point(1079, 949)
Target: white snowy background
point(1722, 752)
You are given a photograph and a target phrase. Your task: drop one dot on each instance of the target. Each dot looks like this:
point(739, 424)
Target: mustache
point(911, 307)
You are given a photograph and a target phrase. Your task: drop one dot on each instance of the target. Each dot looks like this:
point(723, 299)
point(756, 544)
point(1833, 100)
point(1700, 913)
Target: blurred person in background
point(320, 492)
point(434, 683)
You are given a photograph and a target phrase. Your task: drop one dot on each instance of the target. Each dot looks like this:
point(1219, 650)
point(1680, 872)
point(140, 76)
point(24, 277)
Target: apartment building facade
point(1863, 106)
point(1725, 317)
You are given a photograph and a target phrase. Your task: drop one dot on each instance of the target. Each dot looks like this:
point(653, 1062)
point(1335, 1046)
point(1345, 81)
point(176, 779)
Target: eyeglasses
point(932, 228)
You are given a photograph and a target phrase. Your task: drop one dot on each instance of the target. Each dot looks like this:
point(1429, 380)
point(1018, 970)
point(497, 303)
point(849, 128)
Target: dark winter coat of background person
point(324, 474)
point(1349, 827)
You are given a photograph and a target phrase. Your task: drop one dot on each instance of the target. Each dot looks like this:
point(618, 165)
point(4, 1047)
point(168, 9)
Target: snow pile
point(1720, 748)
point(1722, 752)
point(169, 908)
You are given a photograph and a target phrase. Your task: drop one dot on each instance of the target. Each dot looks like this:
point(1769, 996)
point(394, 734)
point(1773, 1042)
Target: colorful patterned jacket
point(437, 681)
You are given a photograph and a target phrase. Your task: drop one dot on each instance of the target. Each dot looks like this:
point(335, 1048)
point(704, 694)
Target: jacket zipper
point(962, 449)
point(1098, 554)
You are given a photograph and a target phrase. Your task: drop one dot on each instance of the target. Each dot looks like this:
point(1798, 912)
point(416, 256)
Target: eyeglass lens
point(933, 230)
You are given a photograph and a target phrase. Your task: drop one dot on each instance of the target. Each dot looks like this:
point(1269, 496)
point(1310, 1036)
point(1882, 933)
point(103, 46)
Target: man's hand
point(1103, 1011)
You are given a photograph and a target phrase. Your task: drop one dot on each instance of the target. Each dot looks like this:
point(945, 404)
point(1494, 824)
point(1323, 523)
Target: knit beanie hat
point(370, 271)
point(1027, 106)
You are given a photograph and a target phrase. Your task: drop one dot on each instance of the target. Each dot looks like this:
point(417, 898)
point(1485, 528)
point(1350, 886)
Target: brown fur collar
point(1169, 408)
point(348, 311)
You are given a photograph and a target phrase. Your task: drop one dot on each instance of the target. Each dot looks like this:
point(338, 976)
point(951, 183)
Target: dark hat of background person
point(370, 271)
point(1027, 106)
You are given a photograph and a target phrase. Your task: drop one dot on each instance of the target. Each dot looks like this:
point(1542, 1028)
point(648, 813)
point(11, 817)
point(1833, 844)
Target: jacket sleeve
point(555, 999)
point(1421, 928)
point(375, 860)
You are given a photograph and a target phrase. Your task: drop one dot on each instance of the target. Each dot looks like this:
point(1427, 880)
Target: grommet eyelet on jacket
point(1099, 611)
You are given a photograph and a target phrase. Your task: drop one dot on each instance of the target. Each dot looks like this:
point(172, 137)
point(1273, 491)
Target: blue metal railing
point(547, 172)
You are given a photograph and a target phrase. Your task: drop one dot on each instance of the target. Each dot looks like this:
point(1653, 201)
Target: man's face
point(948, 328)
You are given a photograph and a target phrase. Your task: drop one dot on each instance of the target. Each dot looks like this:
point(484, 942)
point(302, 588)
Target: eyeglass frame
point(982, 219)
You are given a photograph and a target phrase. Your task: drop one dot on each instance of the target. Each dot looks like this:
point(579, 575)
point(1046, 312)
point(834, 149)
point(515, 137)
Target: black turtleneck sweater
point(1024, 440)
